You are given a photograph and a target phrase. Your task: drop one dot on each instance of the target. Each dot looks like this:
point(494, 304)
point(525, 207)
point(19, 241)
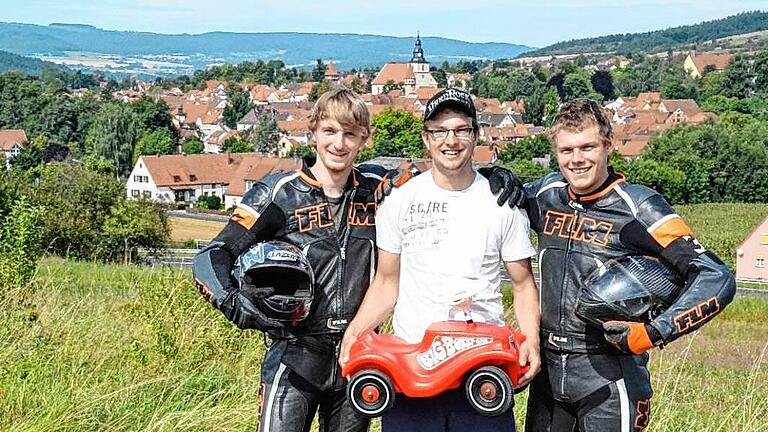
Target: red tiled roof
point(330, 70)
point(254, 167)
point(294, 127)
point(205, 112)
point(483, 154)
point(489, 106)
point(426, 93)
point(719, 61)
point(10, 137)
point(194, 169)
point(212, 84)
point(632, 146)
point(395, 72)
point(687, 106)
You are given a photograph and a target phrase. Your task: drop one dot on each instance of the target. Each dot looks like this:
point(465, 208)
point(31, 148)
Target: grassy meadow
point(186, 229)
point(93, 347)
point(722, 227)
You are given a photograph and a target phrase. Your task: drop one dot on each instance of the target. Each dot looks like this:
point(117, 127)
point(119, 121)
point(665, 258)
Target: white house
point(182, 178)
point(12, 143)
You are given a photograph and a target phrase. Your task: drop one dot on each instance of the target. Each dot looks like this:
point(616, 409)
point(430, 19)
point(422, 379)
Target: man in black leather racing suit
point(327, 209)
point(593, 379)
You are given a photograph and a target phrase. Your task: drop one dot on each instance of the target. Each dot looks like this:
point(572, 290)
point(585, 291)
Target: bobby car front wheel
point(489, 391)
point(370, 392)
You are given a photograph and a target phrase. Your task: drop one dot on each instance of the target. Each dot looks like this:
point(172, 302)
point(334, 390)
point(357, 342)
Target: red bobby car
point(482, 356)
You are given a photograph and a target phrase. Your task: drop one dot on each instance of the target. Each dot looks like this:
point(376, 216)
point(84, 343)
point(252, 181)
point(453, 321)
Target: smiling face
point(337, 146)
point(582, 158)
point(453, 155)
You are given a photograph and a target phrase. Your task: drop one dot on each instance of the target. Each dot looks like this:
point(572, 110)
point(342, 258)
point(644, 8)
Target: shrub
point(19, 245)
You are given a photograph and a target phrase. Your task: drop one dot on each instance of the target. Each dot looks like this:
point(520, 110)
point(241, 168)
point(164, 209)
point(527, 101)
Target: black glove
point(506, 184)
point(630, 337)
point(393, 179)
point(247, 316)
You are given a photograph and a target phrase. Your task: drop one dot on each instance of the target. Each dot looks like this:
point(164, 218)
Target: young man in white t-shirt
point(441, 239)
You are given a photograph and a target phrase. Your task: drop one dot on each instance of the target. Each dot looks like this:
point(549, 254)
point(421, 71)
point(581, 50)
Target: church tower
point(418, 62)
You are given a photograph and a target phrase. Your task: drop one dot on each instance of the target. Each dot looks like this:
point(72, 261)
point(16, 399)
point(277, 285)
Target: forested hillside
point(661, 40)
point(13, 62)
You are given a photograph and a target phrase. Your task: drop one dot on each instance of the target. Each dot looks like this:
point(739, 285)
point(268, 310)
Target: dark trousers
point(288, 402)
point(447, 412)
point(589, 393)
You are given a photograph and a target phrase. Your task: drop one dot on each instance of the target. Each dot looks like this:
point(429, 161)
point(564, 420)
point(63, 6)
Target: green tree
point(534, 107)
point(737, 78)
point(265, 134)
point(239, 105)
point(678, 87)
point(157, 142)
point(31, 156)
point(71, 225)
point(19, 246)
point(526, 149)
point(237, 145)
point(712, 84)
point(319, 89)
point(551, 105)
point(602, 82)
point(391, 85)
point(356, 85)
point(719, 104)
point(301, 151)
point(132, 225)
point(760, 68)
point(527, 170)
point(318, 72)
point(577, 85)
point(387, 148)
point(192, 146)
point(211, 202)
point(401, 128)
point(152, 114)
point(658, 176)
point(440, 77)
point(113, 135)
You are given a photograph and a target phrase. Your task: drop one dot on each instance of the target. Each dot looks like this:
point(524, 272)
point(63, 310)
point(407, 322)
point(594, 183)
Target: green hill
point(12, 62)
point(661, 40)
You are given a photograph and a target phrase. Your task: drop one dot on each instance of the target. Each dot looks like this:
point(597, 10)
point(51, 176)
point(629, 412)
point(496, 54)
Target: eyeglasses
point(442, 134)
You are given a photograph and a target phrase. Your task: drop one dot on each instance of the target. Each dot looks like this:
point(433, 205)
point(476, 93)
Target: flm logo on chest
point(580, 228)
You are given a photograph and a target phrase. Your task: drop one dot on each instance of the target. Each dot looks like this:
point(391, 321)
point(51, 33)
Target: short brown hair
point(580, 114)
point(344, 106)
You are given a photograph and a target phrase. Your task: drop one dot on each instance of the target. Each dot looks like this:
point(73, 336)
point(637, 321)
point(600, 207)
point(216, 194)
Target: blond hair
point(578, 115)
point(344, 106)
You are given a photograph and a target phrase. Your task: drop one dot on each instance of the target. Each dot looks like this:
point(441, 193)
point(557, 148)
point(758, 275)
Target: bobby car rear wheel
point(489, 391)
point(370, 392)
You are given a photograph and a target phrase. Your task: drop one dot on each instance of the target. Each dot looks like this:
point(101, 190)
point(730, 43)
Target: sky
point(534, 23)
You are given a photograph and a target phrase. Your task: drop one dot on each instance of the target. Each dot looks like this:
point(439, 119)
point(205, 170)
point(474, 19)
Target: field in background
point(125, 348)
point(722, 227)
point(186, 229)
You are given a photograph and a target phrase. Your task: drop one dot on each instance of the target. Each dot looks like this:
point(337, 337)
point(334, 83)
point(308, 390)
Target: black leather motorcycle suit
point(585, 383)
point(300, 370)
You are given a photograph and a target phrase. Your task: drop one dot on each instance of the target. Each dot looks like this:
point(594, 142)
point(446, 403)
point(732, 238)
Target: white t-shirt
point(451, 245)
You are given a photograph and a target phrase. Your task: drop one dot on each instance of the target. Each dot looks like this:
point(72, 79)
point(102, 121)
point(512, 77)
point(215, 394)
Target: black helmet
point(632, 288)
point(283, 267)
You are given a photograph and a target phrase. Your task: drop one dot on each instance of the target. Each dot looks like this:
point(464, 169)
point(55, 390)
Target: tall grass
point(125, 348)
